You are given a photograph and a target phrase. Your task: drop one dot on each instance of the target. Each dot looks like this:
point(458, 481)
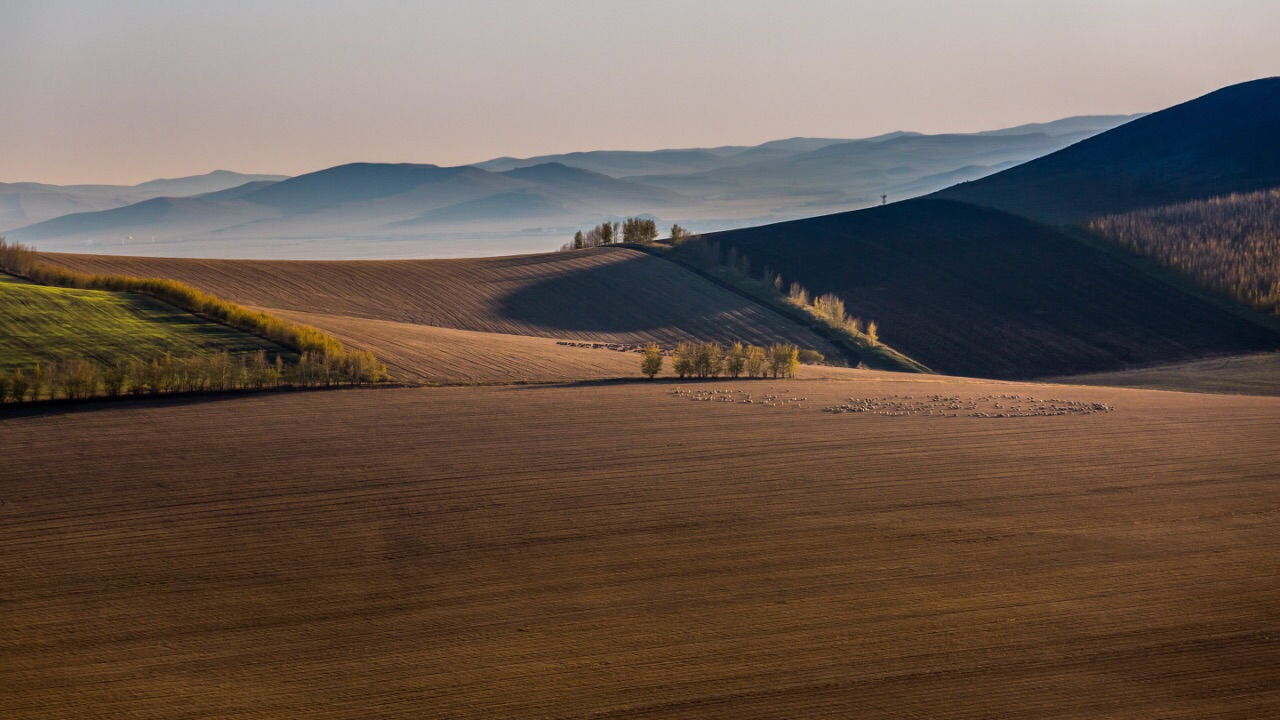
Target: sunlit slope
point(608, 294)
point(39, 324)
point(426, 354)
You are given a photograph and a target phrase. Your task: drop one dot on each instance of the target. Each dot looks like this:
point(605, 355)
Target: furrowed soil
point(425, 354)
point(624, 551)
point(605, 294)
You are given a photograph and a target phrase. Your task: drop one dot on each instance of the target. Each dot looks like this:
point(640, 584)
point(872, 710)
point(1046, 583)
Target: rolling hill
point(609, 295)
point(968, 288)
point(973, 291)
point(1221, 143)
point(40, 324)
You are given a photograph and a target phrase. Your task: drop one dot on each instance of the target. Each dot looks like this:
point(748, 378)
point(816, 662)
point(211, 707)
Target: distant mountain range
point(28, 203)
point(512, 205)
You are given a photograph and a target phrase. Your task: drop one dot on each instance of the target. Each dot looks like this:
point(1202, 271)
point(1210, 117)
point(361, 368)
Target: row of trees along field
point(642, 231)
point(315, 349)
point(712, 360)
point(1227, 244)
point(827, 308)
point(213, 372)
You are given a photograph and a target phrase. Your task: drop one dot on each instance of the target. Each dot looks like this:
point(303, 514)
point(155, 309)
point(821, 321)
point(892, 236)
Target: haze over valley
point(510, 205)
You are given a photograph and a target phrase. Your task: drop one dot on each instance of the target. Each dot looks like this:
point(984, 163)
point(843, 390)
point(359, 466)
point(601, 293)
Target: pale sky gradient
point(122, 91)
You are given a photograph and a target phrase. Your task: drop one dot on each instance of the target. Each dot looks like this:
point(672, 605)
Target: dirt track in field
point(616, 551)
point(606, 294)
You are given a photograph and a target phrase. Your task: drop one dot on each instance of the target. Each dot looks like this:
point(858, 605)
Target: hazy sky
point(124, 91)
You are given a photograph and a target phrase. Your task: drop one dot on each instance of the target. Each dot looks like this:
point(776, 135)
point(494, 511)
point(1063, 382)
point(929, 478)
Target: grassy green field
point(40, 323)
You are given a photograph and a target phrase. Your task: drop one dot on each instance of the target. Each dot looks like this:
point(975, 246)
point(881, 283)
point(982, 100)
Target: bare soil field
point(605, 294)
point(1253, 374)
point(620, 551)
point(425, 354)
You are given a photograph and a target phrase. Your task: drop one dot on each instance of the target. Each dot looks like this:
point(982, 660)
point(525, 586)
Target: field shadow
point(639, 294)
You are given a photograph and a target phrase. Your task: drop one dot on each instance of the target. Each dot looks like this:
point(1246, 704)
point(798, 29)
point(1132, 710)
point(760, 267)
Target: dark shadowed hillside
point(973, 291)
point(1227, 141)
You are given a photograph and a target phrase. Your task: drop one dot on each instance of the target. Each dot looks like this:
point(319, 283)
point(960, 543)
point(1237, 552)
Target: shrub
point(639, 230)
point(19, 386)
point(873, 333)
point(811, 357)
point(699, 252)
point(783, 360)
point(735, 360)
point(36, 382)
point(651, 362)
point(136, 371)
point(113, 379)
point(830, 308)
point(798, 294)
point(682, 360)
point(756, 361)
point(708, 360)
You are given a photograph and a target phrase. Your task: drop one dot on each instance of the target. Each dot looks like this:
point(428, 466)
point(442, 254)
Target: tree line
point(353, 366)
point(1228, 244)
point(712, 360)
point(828, 308)
point(214, 372)
point(641, 231)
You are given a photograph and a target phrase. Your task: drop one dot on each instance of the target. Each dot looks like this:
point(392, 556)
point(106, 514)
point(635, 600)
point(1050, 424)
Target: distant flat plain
point(616, 551)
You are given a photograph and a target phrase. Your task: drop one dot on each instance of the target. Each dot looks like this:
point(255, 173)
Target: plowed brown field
point(616, 551)
point(421, 353)
point(606, 294)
